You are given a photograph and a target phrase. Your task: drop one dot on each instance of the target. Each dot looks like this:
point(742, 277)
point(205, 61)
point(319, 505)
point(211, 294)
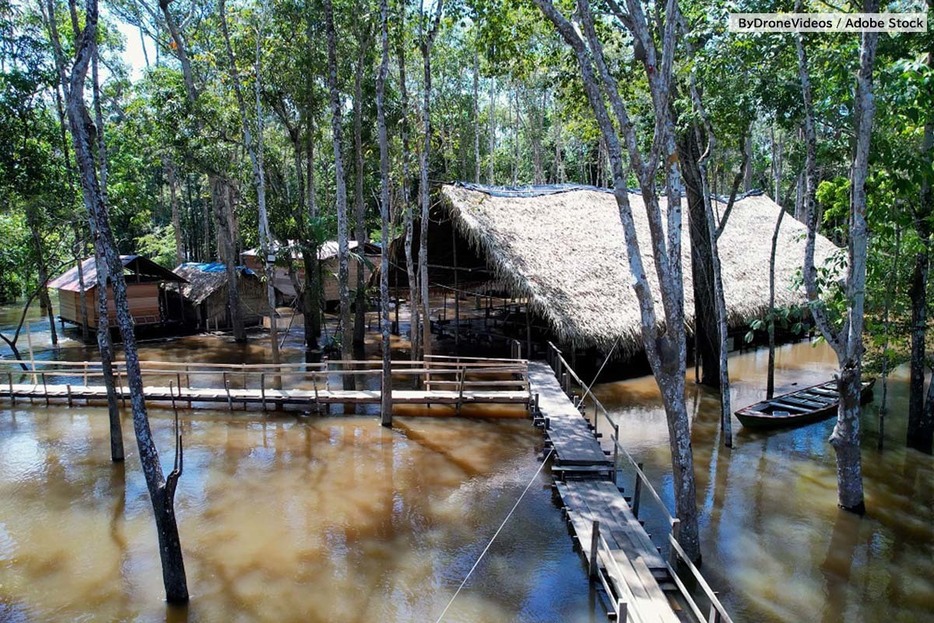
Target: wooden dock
point(640, 583)
point(435, 381)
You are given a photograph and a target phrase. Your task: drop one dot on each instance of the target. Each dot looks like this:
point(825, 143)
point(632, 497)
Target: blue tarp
point(554, 189)
point(214, 267)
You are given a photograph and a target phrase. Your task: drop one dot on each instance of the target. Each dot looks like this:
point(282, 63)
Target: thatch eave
point(565, 252)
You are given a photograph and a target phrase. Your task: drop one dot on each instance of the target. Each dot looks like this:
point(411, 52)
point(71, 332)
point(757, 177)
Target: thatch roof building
point(204, 296)
point(563, 247)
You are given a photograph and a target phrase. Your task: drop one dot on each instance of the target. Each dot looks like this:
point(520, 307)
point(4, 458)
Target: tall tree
point(161, 488)
point(426, 40)
point(220, 186)
point(847, 340)
point(664, 342)
point(920, 434)
point(364, 37)
point(384, 209)
point(409, 220)
point(255, 150)
point(343, 250)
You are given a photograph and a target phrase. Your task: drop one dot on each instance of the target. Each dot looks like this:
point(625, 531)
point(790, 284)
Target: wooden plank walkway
point(443, 380)
point(567, 430)
point(632, 571)
point(274, 396)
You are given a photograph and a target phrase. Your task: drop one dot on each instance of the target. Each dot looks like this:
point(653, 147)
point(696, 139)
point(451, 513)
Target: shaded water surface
point(774, 543)
point(284, 519)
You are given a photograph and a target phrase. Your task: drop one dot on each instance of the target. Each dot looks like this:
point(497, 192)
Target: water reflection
point(284, 519)
point(774, 543)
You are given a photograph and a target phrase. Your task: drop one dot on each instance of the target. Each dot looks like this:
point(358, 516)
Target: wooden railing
point(441, 373)
point(677, 559)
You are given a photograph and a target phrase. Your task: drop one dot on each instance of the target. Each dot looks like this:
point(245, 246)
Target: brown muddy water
point(293, 518)
point(774, 544)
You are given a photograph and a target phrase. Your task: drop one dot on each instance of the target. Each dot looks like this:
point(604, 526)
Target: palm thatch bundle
point(566, 252)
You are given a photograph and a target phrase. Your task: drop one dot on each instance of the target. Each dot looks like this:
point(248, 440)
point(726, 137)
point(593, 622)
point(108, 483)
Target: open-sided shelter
point(562, 248)
point(147, 301)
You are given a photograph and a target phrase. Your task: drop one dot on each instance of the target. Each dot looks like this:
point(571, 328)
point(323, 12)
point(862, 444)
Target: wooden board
point(568, 431)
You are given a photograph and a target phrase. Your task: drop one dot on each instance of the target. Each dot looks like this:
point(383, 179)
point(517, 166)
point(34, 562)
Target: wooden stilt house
point(146, 297)
point(204, 295)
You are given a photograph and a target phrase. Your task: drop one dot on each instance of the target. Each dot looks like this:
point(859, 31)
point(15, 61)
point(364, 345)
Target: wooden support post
point(566, 382)
point(120, 385)
point(460, 397)
point(594, 549)
point(457, 305)
point(262, 388)
point(227, 389)
point(528, 328)
point(675, 533)
point(45, 388)
point(714, 616)
point(12, 396)
point(32, 357)
point(637, 493)
point(621, 611)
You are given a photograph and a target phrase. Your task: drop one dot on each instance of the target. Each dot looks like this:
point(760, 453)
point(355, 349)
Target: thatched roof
point(566, 252)
point(136, 265)
point(205, 279)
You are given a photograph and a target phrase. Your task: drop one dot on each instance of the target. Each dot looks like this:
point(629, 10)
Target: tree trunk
point(705, 312)
point(255, 150)
point(666, 351)
point(414, 305)
point(220, 188)
point(161, 490)
point(312, 293)
point(476, 116)
point(919, 431)
point(425, 45)
point(920, 434)
point(385, 326)
point(171, 174)
point(747, 170)
point(492, 162)
point(848, 342)
point(770, 381)
point(343, 251)
point(44, 302)
point(105, 348)
point(359, 207)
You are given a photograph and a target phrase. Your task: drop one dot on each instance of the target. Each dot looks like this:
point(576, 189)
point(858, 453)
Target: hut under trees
point(559, 251)
point(144, 280)
point(204, 297)
point(292, 272)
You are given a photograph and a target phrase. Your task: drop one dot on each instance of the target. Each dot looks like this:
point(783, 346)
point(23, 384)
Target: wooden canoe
point(803, 406)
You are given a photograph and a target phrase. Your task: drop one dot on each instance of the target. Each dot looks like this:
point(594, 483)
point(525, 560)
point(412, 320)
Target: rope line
point(594, 381)
point(496, 534)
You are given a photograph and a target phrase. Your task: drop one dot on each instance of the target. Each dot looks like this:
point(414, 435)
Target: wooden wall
point(142, 297)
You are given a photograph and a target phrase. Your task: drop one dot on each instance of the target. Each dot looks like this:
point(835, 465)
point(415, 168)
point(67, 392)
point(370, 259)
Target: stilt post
point(594, 548)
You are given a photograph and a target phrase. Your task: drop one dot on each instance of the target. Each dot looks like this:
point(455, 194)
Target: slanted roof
point(566, 251)
point(326, 250)
point(145, 268)
point(203, 279)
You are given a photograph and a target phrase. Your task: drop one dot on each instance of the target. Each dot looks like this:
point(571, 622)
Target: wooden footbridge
point(641, 583)
point(438, 380)
point(643, 580)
